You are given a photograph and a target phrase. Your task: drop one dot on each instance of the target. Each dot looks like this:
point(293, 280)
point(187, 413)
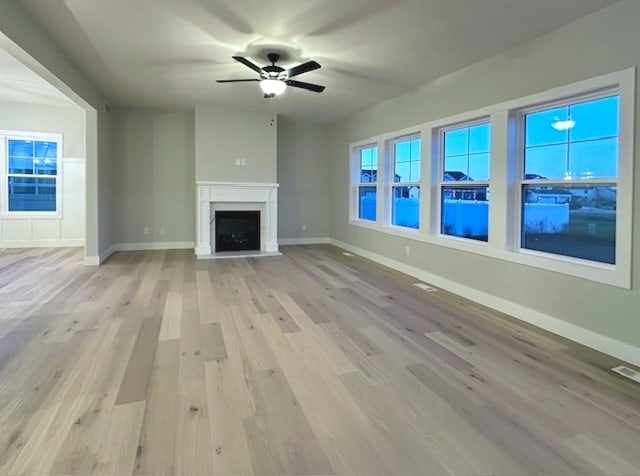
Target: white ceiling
point(19, 84)
point(168, 53)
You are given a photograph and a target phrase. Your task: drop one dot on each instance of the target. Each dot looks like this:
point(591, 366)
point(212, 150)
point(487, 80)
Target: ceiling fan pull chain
point(272, 111)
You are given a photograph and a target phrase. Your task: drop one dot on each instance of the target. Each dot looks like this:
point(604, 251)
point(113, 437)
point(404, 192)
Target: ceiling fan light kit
point(275, 79)
point(273, 87)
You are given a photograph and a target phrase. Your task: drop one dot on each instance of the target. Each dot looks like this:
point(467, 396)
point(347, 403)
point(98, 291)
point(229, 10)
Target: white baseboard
point(599, 342)
point(164, 245)
point(303, 241)
point(161, 245)
point(42, 244)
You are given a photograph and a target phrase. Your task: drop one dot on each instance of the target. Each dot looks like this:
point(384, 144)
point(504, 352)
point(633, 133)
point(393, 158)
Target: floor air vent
point(426, 287)
point(627, 372)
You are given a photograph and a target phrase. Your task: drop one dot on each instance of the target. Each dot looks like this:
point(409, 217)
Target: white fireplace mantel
point(212, 196)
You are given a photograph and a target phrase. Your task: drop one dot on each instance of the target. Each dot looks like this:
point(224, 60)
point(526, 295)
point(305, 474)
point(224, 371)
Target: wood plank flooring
point(311, 363)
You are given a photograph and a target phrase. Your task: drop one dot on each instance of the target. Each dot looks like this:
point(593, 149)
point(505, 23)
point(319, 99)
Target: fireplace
point(215, 197)
point(237, 230)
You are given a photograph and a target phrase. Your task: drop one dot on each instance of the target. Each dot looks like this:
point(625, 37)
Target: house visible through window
point(32, 169)
point(561, 195)
point(464, 184)
point(569, 185)
point(405, 206)
point(367, 188)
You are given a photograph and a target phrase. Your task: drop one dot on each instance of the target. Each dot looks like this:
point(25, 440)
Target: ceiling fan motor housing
point(272, 71)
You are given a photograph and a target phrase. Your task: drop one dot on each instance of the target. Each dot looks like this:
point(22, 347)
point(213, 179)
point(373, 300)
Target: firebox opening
point(237, 230)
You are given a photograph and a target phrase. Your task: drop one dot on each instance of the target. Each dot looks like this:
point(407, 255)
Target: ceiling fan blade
point(248, 63)
point(303, 68)
point(316, 88)
point(235, 80)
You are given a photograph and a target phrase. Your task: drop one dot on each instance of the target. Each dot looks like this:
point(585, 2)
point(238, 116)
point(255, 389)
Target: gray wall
point(304, 176)
point(22, 38)
point(600, 43)
point(102, 173)
point(155, 182)
point(223, 135)
point(68, 121)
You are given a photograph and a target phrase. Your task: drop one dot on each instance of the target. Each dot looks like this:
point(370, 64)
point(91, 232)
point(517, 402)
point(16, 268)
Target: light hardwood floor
point(312, 363)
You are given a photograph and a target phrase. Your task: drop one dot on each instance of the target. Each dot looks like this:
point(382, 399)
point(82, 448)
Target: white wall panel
point(66, 230)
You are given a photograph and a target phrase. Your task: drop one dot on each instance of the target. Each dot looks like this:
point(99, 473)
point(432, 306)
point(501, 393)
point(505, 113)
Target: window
point(569, 185)
point(32, 169)
point(405, 191)
point(464, 181)
point(544, 180)
point(368, 177)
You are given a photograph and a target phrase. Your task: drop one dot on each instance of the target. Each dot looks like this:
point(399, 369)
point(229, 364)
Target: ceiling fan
point(275, 79)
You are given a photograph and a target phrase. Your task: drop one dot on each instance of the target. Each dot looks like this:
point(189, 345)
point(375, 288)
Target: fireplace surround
point(230, 196)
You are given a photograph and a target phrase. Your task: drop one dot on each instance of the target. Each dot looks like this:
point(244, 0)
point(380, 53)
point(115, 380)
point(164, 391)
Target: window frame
point(390, 158)
point(442, 184)
point(522, 181)
point(5, 136)
point(504, 219)
point(356, 183)
point(370, 184)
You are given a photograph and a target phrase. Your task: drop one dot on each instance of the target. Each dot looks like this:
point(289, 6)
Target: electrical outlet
point(238, 162)
point(407, 250)
point(304, 227)
point(162, 230)
point(243, 162)
point(146, 230)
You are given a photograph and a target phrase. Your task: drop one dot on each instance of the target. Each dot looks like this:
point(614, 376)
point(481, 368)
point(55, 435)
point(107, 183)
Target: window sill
point(364, 223)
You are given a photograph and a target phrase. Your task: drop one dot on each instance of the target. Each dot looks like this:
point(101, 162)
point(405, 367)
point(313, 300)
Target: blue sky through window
point(589, 149)
point(467, 150)
point(407, 160)
point(369, 158)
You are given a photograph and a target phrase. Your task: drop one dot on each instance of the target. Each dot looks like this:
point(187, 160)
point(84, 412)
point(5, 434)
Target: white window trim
point(520, 164)
point(361, 184)
point(623, 84)
point(456, 183)
point(504, 209)
point(355, 180)
point(391, 162)
point(4, 190)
